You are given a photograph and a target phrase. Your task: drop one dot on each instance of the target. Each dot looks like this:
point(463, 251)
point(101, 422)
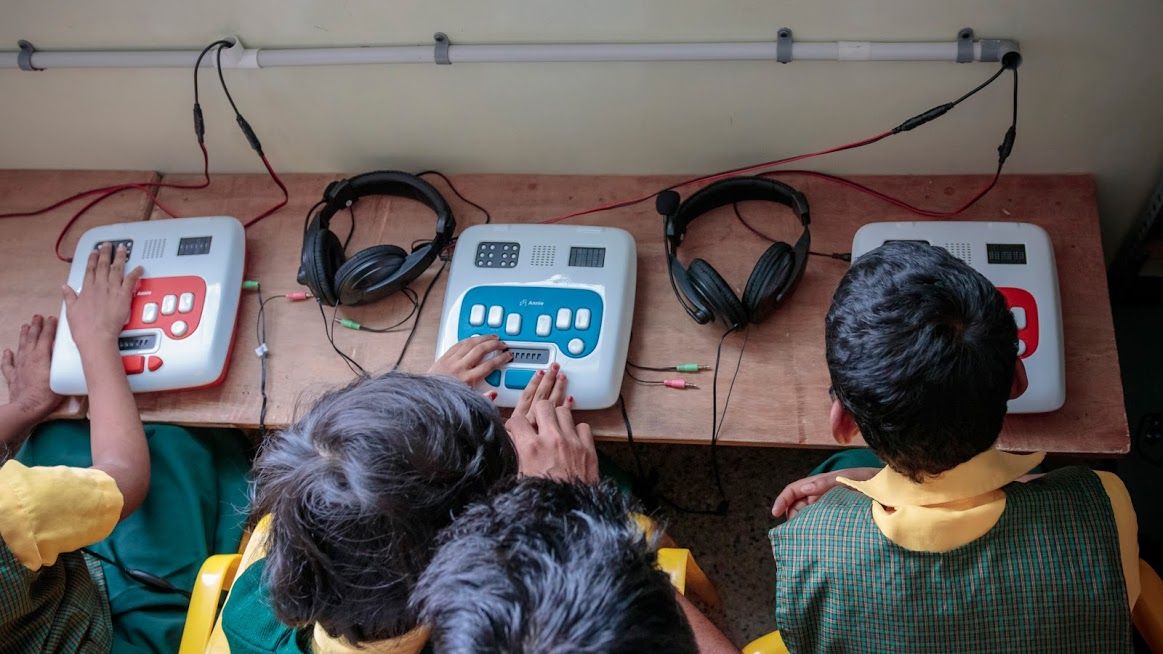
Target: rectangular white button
point(513, 324)
point(543, 324)
point(1019, 317)
point(169, 305)
point(563, 318)
point(582, 320)
point(185, 303)
point(149, 312)
point(496, 313)
point(476, 315)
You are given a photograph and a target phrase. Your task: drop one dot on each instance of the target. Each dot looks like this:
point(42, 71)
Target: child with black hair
point(547, 566)
point(941, 548)
point(78, 503)
point(354, 493)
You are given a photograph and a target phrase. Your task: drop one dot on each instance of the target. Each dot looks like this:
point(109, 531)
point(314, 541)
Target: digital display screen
point(907, 240)
point(1006, 253)
point(587, 257)
point(136, 343)
point(530, 355)
point(194, 245)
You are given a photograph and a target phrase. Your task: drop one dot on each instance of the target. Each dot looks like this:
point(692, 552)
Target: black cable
point(198, 65)
point(488, 216)
point(393, 328)
point(329, 331)
point(979, 87)
point(310, 212)
point(199, 122)
point(222, 79)
point(261, 337)
point(645, 382)
point(419, 312)
point(641, 474)
point(148, 580)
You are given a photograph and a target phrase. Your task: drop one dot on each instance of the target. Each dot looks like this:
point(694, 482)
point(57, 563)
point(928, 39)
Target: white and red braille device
point(1019, 259)
point(182, 319)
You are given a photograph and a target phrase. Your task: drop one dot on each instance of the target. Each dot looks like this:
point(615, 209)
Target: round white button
point(179, 328)
point(575, 346)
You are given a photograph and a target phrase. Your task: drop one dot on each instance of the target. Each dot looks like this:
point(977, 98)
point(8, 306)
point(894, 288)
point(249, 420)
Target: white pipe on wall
point(238, 56)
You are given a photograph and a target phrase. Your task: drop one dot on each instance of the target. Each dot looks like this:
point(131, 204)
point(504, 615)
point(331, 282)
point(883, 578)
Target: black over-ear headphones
point(380, 270)
point(699, 287)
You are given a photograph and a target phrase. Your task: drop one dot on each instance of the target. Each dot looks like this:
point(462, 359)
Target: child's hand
point(800, 494)
point(549, 385)
point(554, 447)
point(466, 360)
point(97, 314)
point(26, 370)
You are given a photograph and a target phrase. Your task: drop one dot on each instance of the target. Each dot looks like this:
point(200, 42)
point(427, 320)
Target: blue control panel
point(569, 318)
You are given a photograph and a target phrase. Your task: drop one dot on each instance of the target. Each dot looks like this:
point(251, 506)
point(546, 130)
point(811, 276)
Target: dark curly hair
point(358, 490)
point(548, 567)
point(921, 350)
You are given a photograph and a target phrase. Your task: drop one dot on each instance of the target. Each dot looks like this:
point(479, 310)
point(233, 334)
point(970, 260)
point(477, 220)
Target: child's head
point(922, 350)
point(549, 566)
point(358, 490)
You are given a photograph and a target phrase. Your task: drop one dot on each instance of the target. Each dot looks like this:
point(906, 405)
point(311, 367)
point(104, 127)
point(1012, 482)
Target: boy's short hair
point(921, 350)
point(358, 490)
point(548, 567)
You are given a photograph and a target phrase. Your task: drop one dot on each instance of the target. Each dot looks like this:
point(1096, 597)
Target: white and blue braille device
point(554, 294)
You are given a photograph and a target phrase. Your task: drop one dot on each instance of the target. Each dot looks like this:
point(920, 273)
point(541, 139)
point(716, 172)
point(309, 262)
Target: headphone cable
point(148, 580)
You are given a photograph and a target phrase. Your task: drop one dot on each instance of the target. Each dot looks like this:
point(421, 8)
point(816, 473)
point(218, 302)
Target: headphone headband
point(341, 193)
point(380, 270)
point(730, 191)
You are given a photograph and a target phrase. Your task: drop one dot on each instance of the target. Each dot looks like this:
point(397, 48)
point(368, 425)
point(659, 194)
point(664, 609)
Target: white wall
point(1090, 98)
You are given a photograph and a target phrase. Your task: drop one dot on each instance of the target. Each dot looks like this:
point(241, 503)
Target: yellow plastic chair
point(1147, 616)
point(214, 581)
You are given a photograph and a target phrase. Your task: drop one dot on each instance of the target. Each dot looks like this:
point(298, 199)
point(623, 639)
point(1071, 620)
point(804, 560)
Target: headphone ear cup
point(366, 268)
point(771, 275)
point(322, 256)
point(718, 294)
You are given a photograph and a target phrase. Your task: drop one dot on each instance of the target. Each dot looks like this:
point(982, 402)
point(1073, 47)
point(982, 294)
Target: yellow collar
point(985, 472)
point(410, 643)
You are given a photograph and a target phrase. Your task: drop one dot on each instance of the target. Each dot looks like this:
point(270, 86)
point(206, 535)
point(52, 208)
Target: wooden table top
point(30, 275)
point(781, 395)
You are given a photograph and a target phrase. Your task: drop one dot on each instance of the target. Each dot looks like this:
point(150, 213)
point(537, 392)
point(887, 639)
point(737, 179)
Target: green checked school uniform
point(1043, 571)
point(54, 598)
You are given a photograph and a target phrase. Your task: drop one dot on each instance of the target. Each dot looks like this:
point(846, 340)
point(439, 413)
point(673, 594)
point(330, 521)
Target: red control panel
point(172, 305)
point(1025, 310)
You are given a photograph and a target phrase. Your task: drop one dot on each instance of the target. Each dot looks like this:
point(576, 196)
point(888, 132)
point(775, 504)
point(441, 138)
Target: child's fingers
point(478, 352)
point(130, 282)
point(546, 418)
point(34, 327)
point(117, 268)
point(104, 259)
point(90, 268)
point(545, 383)
point(525, 402)
point(519, 428)
point(8, 365)
point(565, 421)
point(48, 334)
point(23, 346)
point(491, 395)
point(69, 295)
point(557, 395)
point(483, 369)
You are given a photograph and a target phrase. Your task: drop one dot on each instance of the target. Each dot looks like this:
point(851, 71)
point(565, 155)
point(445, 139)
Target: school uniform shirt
point(960, 506)
point(51, 597)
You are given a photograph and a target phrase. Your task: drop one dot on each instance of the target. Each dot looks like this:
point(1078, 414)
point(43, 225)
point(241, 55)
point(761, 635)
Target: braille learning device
point(182, 319)
point(553, 293)
point(1019, 259)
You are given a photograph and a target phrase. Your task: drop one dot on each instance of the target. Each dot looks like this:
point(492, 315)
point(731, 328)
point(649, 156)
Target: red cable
point(109, 191)
point(102, 189)
point(929, 213)
point(282, 187)
point(720, 175)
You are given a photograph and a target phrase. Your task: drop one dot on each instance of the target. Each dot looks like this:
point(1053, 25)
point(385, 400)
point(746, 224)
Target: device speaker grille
point(154, 248)
point(542, 255)
point(961, 250)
